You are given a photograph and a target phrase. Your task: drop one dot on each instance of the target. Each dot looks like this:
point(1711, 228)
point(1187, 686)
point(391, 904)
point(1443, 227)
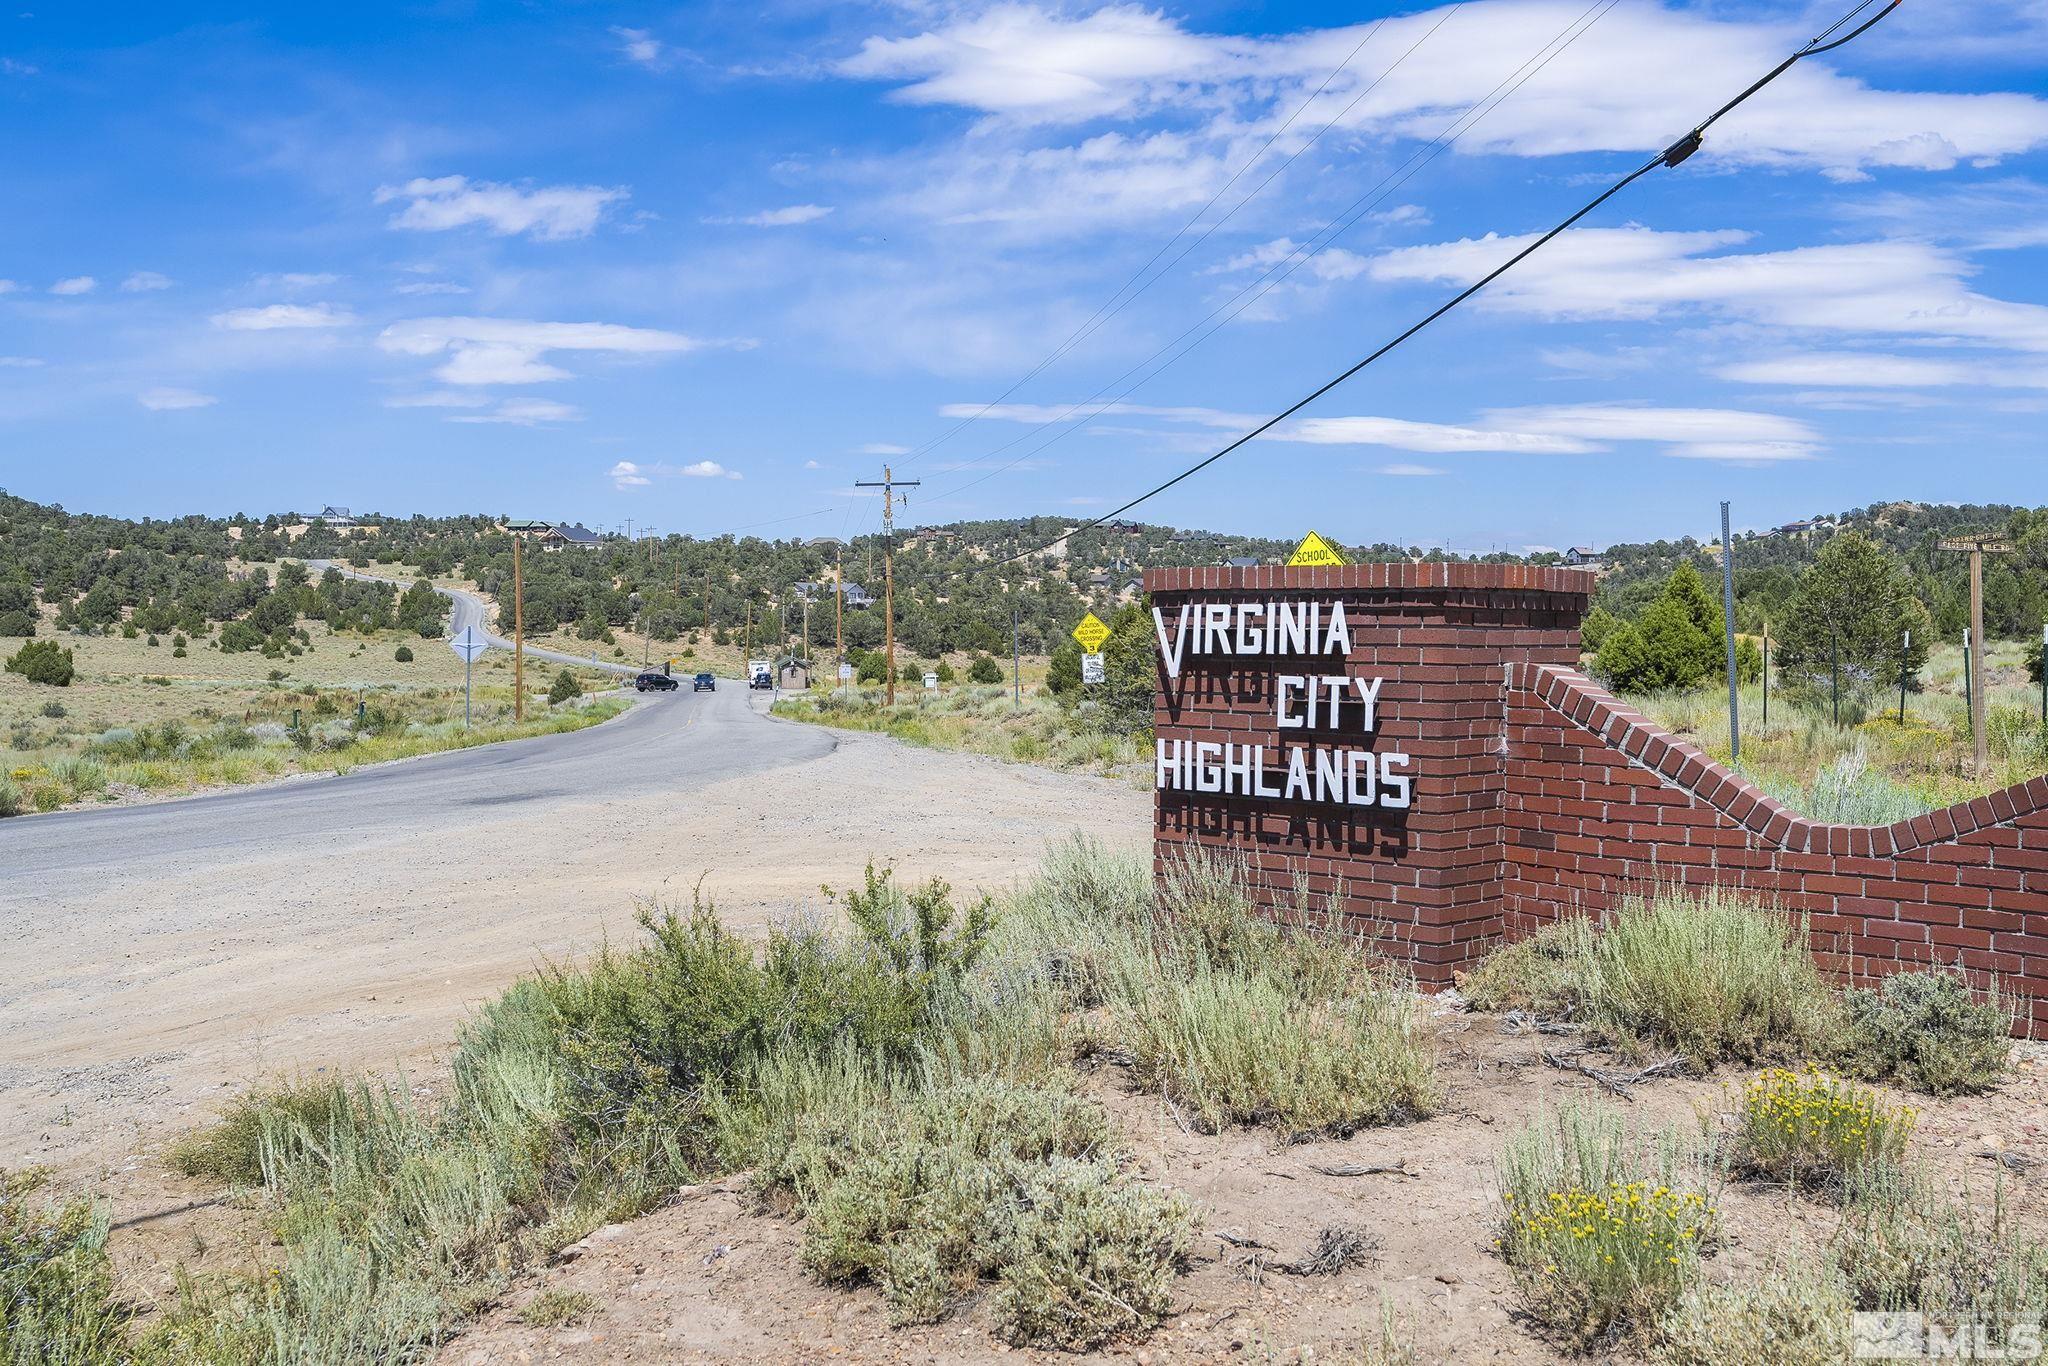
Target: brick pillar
point(1425, 878)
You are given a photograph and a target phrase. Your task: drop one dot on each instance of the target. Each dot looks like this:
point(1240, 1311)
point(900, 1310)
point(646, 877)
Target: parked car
point(705, 683)
point(655, 683)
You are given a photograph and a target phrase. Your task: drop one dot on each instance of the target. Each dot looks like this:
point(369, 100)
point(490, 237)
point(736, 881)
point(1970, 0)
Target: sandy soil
point(712, 1278)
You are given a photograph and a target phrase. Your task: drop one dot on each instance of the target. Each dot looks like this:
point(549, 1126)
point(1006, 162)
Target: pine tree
point(1853, 608)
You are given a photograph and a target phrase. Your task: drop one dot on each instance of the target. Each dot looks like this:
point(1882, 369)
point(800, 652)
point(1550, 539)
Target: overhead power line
point(1671, 156)
point(1278, 271)
point(1120, 300)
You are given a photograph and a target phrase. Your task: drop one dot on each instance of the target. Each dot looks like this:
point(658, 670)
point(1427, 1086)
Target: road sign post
point(469, 643)
point(1091, 668)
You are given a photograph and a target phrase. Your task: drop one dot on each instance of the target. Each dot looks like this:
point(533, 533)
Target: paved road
point(467, 609)
point(667, 743)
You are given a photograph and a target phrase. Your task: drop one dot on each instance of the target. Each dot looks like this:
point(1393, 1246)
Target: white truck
point(759, 674)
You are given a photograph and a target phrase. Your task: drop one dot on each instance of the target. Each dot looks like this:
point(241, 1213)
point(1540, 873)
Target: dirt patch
point(713, 1278)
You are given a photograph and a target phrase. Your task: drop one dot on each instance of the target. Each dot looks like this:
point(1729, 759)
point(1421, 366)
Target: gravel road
point(158, 958)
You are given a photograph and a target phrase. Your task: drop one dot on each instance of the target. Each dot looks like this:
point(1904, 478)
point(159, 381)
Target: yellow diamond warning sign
point(1091, 633)
point(1314, 551)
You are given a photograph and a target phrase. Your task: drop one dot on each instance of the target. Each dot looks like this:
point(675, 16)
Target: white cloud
point(547, 213)
point(882, 448)
point(1403, 215)
point(525, 412)
point(789, 217)
point(274, 317)
point(166, 400)
point(1575, 429)
point(432, 287)
point(438, 398)
point(297, 279)
point(1891, 288)
point(1041, 413)
point(9, 286)
point(1428, 436)
point(77, 284)
point(507, 351)
point(1861, 370)
point(1410, 471)
point(144, 281)
point(20, 362)
point(812, 465)
point(638, 45)
point(1026, 64)
point(638, 474)
point(1084, 500)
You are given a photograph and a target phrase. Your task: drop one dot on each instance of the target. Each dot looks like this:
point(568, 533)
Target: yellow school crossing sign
point(1315, 552)
point(1091, 633)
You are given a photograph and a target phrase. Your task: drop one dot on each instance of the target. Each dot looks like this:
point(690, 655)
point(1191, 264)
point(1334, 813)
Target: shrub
point(984, 670)
point(924, 1195)
point(17, 623)
point(42, 661)
point(1603, 1231)
point(1811, 1129)
point(54, 710)
point(1929, 1031)
point(1707, 973)
point(558, 1308)
point(56, 1285)
point(1905, 1245)
point(10, 798)
point(1797, 1315)
point(563, 688)
point(231, 1151)
point(403, 655)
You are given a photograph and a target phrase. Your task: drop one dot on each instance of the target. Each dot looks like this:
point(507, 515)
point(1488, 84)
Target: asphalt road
point(668, 743)
point(467, 609)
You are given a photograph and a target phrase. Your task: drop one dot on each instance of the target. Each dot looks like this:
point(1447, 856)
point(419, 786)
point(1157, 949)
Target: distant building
point(333, 516)
point(1244, 562)
point(1099, 579)
point(528, 526)
point(1582, 557)
point(561, 534)
point(1128, 528)
point(857, 596)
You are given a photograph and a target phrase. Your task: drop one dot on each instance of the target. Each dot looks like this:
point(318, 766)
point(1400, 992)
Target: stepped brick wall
point(1599, 800)
point(1536, 795)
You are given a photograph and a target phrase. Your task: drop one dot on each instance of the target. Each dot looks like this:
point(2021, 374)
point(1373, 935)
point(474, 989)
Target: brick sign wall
point(1414, 741)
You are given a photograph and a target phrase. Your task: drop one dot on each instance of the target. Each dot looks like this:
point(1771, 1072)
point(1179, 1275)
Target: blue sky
point(705, 266)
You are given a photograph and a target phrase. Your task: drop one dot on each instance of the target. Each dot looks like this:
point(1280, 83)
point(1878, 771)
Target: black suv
point(655, 683)
point(705, 683)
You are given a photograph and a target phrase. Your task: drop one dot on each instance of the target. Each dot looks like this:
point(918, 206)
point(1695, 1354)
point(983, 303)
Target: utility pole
point(839, 611)
point(1728, 630)
point(518, 634)
point(1977, 547)
point(707, 610)
point(1016, 662)
point(888, 485)
point(804, 650)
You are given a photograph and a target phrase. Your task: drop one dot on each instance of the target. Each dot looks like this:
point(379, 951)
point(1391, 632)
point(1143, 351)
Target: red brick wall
point(1538, 795)
point(1600, 800)
point(1427, 880)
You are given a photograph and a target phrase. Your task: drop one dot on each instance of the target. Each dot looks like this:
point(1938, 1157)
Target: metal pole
point(1976, 661)
point(1728, 629)
point(518, 634)
point(1017, 661)
point(1904, 650)
point(1767, 675)
point(1835, 671)
point(1969, 680)
point(2044, 675)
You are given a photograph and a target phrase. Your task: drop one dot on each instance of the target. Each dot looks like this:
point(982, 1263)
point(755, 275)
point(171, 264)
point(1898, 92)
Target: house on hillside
point(528, 526)
point(857, 596)
point(333, 516)
point(1127, 528)
point(1243, 562)
point(562, 534)
point(1583, 557)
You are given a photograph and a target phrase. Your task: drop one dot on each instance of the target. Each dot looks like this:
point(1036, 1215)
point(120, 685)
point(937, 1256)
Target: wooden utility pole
point(707, 611)
point(888, 485)
point(1977, 547)
point(518, 634)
